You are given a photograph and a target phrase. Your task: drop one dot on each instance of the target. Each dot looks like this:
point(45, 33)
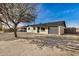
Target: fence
point(71, 30)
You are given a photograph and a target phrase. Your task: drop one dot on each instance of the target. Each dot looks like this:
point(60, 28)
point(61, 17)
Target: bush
point(8, 30)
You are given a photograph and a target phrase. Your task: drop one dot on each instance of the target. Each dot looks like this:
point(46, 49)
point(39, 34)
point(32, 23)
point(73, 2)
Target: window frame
point(42, 29)
point(28, 28)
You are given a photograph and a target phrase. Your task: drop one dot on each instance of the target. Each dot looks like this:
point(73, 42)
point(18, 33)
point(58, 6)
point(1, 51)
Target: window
point(33, 28)
point(43, 29)
point(28, 28)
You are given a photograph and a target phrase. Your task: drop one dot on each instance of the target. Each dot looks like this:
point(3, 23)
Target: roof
point(57, 23)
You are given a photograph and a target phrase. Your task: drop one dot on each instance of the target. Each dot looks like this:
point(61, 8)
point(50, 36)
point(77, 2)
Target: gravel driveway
point(38, 44)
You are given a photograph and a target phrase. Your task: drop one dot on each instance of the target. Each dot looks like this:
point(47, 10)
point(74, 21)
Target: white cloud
point(68, 11)
point(65, 12)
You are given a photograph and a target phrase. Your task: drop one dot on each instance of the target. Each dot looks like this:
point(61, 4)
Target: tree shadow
point(45, 41)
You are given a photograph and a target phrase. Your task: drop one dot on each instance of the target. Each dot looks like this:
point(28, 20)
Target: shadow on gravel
point(68, 45)
point(63, 43)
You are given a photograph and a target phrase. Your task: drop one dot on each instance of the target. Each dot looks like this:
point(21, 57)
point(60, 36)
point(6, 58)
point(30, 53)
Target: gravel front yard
point(38, 44)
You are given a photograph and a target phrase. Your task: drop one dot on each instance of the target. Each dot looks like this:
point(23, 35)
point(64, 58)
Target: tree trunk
point(15, 31)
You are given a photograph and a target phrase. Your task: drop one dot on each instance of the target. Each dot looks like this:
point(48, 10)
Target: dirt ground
point(28, 44)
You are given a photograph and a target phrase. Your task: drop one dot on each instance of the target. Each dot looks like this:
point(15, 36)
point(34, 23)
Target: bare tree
point(14, 13)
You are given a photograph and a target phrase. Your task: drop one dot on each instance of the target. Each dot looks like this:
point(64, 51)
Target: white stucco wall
point(44, 32)
point(35, 31)
point(60, 30)
point(32, 30)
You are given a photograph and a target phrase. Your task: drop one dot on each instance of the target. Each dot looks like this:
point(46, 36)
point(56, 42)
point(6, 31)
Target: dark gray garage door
point(53, 30)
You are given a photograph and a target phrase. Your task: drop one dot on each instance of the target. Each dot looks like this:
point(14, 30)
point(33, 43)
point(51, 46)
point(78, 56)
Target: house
point(21, 29)
point(47, 28)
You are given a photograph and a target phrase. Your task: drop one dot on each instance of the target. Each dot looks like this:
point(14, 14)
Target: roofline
point(48, 23)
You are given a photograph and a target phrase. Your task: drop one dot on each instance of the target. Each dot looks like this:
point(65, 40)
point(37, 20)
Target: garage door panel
point(53, 30)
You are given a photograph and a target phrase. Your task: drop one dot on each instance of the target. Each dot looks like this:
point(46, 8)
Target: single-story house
point(47, 28)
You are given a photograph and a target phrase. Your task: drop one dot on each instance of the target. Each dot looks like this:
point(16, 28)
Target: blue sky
point(49, 12)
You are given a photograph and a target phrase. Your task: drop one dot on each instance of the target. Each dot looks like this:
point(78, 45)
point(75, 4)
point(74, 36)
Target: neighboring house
point(47, 28)
point(21, 29)
point(5, 28)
